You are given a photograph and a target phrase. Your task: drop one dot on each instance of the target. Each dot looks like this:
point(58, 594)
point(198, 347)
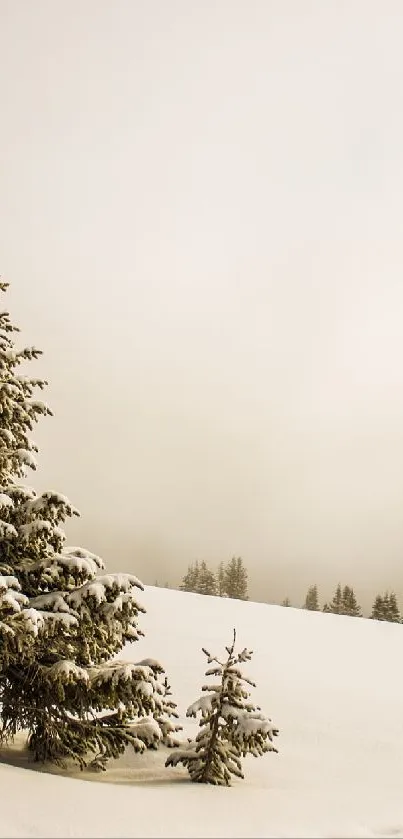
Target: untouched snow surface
point(334, 687)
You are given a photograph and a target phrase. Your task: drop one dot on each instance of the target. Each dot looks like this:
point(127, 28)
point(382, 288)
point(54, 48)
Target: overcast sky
point(201, 221)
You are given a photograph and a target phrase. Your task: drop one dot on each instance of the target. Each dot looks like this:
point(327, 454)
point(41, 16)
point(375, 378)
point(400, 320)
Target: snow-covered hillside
point(334, 687)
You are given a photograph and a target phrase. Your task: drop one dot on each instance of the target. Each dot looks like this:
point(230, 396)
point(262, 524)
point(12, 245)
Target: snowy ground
point(334, 687)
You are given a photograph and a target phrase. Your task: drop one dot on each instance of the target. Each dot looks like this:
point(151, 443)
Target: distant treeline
point(231, 580)
point(344, 602)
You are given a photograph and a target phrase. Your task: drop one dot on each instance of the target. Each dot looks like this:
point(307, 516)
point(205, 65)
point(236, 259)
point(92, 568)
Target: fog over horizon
point(201, 225)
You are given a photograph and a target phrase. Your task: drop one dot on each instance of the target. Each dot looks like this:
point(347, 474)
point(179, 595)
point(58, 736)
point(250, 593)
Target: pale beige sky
point(201, 220)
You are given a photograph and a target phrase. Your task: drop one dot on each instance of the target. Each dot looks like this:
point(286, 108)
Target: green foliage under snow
point(62, 619)
point(230, 726)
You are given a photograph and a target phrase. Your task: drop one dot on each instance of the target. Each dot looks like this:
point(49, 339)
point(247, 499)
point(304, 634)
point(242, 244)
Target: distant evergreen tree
point(286, 602)
point(230, 726)
point(206, 583)
point(191, 578)
point(385, 608)
point(236, 579)
point(336, 605)
point(349, 603)
point(378, 609)
point(221, 581)
point(344, 602)
point(392, 608)
point(230, 581)
point(311, 600)
point(199, 579)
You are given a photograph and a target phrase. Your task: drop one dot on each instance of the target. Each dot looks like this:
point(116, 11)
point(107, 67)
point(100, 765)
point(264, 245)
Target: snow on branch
point(7, 531)
point(102, 587)
point(53, 601)
point(80, 554)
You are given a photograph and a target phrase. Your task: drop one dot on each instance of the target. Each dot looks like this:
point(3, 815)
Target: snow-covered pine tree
point(385, 608)
point(61, 619)
point(236, 579)
point(230, 726)
point(349, 603)
point(378, 609)
point(336, 604)
point(393, 613)
point(206, 583)
point(191, 578)
point(311, 599)
point(286, 602)
point(221, 581)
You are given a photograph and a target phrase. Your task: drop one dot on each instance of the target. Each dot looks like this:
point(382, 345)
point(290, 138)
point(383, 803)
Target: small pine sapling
point(230, 726)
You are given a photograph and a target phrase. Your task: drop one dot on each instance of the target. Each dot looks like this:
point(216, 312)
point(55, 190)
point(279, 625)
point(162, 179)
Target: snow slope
point(334, 687)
